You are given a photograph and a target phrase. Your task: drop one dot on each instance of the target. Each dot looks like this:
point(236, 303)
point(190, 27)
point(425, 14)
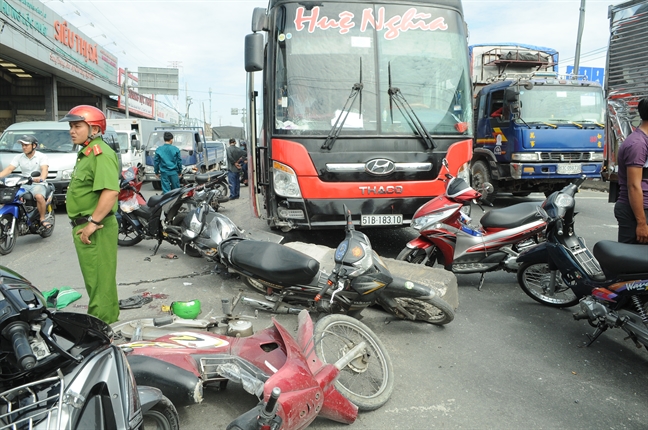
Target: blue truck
point(196, 155)
point(535, 130)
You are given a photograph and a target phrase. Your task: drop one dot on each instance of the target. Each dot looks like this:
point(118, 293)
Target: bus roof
point(450, 4)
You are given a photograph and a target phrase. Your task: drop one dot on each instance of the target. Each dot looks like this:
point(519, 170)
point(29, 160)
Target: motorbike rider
point(91, 202)
point(631, 208)
point(28, 162)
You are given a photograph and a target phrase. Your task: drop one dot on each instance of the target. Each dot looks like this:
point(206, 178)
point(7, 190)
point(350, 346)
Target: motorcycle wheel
point(435, 311)
point(417, 256)
point(223, 191)
point(368, 381)
point(534, 279)
point(162, 416)
point(177, 221)
point(256, 285)
point(127, 235)
point(7, 236)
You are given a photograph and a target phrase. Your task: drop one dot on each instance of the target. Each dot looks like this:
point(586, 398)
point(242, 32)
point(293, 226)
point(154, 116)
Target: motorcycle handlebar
point(272, 401)
point(17, 333)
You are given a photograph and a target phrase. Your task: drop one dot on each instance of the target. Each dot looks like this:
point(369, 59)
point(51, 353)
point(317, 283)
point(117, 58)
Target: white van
point(130, 148)
point(55, 141)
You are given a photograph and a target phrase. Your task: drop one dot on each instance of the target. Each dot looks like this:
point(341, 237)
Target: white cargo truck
point(139, 130)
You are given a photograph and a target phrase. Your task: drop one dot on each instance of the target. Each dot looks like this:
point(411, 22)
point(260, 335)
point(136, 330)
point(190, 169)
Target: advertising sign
point(31, 30)
point(137, 103)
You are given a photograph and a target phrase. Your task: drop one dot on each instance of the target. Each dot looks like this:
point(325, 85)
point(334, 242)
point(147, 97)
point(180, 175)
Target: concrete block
point(444, 282)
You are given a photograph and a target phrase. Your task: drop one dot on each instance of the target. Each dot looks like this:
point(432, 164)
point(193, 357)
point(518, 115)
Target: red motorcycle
point(331, 370)
point(446, 236)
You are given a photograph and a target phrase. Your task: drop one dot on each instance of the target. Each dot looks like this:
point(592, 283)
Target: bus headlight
point(285, 180)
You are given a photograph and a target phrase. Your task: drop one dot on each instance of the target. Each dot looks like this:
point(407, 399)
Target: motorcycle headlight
point(195, 225)
point(285, 180)
point(464, 172)
point(419, 223)
point(564, 201)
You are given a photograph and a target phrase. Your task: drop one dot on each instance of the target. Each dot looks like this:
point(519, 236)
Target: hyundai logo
point(380, 166)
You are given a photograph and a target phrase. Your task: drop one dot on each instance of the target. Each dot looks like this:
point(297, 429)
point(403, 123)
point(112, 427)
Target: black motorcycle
point(611, 284)
point(158, 218)
point(359, 279)
point(19, 214)
point(60, 370)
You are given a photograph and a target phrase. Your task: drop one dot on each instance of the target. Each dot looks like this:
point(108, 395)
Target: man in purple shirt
point(631, 208)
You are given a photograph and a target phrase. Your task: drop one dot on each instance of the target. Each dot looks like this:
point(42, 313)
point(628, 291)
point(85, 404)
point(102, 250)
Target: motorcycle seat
point(203, 178)
point(274, 262)
point(154, 200)
point(511, 217)
point(621, 258)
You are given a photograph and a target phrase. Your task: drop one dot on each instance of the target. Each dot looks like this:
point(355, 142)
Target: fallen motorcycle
point(359, 279)
point(60, 370)
point(19, 214)
point(446, 236)
point(331, 370)
point(159, 217)
point(610, 285)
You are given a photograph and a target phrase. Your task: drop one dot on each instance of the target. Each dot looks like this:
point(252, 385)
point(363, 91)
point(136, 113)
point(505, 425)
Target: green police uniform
point(96, 169)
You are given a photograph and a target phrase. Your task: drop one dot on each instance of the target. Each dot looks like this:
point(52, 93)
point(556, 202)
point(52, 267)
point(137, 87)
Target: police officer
point(91, 203)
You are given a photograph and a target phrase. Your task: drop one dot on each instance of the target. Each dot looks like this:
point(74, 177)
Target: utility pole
point(126, 95)
point(210, 107)
point(581, 24)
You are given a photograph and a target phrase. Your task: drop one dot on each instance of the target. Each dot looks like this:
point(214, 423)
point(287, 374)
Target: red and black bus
point(361, 102)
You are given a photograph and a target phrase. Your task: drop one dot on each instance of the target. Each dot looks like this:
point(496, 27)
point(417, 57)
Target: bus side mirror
point(254, 44)
point(259, 19)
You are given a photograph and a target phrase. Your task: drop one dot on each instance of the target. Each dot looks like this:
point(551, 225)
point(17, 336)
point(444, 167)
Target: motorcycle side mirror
point(349, 219)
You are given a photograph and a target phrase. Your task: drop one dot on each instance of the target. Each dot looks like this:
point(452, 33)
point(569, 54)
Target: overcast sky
point(206, 38)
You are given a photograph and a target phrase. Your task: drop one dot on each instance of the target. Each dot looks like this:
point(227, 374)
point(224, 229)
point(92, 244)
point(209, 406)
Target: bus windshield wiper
point(397, 97)
point(344, 113)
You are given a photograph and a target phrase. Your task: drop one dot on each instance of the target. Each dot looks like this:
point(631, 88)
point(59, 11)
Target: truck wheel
point(157, 185)
point(481, 174)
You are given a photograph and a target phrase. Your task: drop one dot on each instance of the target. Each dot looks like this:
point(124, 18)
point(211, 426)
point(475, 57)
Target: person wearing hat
point(91, 203)
point(168, 164)
point(28, 162)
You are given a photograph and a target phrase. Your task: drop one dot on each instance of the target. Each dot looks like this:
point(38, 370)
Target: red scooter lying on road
point(330, 370)
point(447, 237)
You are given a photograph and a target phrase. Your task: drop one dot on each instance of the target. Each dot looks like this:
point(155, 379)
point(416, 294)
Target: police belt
point(82, 220)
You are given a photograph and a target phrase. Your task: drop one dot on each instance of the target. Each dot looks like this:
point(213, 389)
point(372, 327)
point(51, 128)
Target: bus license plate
point(568, 169)
point(381, 219)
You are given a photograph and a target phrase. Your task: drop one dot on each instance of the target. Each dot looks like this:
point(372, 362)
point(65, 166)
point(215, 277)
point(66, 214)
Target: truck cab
point(196, 157)
point(130, 148)
point(538, 133)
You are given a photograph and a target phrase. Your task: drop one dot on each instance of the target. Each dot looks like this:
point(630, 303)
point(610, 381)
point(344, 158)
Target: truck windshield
point(184, 140)
point(551, 104)
point(323, 51)
point(122, 138)
point(48, 140)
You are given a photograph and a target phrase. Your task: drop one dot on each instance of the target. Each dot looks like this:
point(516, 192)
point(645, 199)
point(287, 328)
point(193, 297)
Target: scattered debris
point(186, 284)
point(134, 302)
point(170, 256)
point(147, 258)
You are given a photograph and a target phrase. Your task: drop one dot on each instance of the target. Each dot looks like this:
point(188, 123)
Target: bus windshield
point(323, 51)
point(552, 104)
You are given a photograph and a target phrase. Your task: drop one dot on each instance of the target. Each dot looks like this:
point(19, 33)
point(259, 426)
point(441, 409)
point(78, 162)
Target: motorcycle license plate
point(393, 219)
point(568, 169)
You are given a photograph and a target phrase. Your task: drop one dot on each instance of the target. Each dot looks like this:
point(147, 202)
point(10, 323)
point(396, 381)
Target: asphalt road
point(505, 362)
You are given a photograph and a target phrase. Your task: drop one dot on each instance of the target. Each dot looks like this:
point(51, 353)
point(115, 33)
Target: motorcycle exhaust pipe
point(278, 308)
